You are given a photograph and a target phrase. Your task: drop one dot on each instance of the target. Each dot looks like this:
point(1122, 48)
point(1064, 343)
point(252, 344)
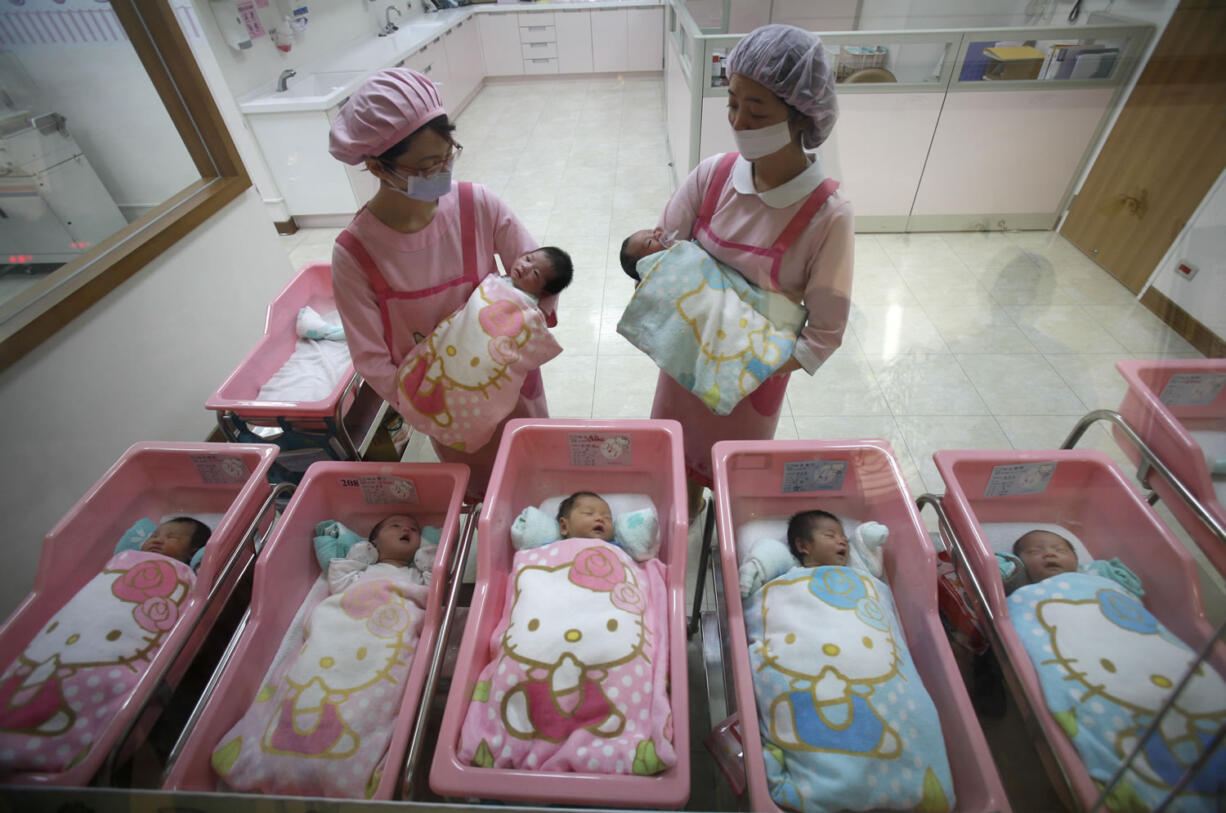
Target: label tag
point(251, 19)
point(220, 468)
point(600, 450)
point(813, 475)
point(1193, 389)
point(1019, 478)
point(382, 489)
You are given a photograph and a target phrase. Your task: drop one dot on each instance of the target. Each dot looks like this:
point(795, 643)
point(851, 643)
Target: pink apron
point(756, 417)
point(420, 310)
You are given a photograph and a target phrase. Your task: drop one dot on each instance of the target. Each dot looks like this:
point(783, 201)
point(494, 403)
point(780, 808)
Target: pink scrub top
point(798, 239)
point(393, 288)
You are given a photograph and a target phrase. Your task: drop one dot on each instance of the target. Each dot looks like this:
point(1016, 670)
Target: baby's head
point(178, 538)
point(585, 515)
point(397, 537)
point(542, 272)
point(816, 538)
point(1045, 554)
point(637, 246)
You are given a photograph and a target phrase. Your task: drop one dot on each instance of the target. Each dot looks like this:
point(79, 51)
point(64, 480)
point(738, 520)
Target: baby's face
point(173, 539)
point(1046, 554)
point(531, 273)
point(826, 545)
point(589, 518)
point(398, 539)
point(644, 242)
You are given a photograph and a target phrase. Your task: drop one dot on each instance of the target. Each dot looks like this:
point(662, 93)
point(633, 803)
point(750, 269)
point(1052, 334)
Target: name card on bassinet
point(813, 475)
point(218, 468)
point(599, 449)
point(1192, 389)
point(1019, 478)
point(382, 489)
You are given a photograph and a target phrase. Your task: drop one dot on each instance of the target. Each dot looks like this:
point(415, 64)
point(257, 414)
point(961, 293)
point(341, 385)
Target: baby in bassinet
point(178, 538)
point(1106, 665)
point(843, 715)
point(321, 723)
point(585, 514)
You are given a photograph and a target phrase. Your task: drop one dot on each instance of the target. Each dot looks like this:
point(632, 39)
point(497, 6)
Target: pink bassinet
point(329, 423)
point(539, 459)
point(1166, 423)
point(357, 495)
point(150, 481)
point(1089, 497)
point(758, 480)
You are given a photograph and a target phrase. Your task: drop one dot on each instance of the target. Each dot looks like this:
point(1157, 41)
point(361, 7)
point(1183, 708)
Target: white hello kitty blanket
point(459, 382)
point(321, 722)
point(578, 675)
point(1106, 665)
point(70, 681)
point(719, 336)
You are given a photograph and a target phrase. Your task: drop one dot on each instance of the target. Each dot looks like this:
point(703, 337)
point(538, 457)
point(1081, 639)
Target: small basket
point(852, 58)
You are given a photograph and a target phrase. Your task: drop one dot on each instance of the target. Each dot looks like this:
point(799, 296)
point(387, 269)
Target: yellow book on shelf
point(1012, 53)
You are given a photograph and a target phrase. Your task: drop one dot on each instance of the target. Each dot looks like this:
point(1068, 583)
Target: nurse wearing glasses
point(419, 247)
point(770, 212)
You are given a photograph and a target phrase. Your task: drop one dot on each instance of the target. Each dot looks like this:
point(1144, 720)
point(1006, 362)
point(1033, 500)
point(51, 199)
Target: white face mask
point(424, 189)
point(754, 144)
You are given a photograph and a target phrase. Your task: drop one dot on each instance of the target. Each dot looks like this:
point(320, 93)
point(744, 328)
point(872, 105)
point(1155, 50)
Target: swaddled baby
point(396, 548)
point(814, 538)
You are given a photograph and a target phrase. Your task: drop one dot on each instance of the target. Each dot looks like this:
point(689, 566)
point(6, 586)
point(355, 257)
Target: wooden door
point(1166, 150)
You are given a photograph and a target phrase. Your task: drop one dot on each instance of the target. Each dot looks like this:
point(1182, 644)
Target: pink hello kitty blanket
point(70, 681)
point(459, 382)
point(578, 675)
point(321, 722)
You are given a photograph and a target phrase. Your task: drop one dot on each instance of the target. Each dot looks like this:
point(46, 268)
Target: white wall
point(136, 366)
point(1203, 244)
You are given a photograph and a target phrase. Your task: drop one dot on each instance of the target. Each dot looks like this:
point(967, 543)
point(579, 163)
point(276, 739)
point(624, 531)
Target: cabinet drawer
point(538, 33)
point(548, 65)
point(537, 50)
point(534, 18)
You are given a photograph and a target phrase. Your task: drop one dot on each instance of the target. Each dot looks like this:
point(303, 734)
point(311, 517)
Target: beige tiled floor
point(960, 340)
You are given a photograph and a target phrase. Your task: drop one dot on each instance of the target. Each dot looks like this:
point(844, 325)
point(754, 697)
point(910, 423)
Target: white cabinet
point(574, 41)
point(431, 60)
point(645, 39)
point(609, 43)
point(464, 63)
point(538, 42)
point(500, 44)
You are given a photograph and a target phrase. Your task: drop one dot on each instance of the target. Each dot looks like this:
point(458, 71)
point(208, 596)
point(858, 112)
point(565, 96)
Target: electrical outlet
point(1185, 269)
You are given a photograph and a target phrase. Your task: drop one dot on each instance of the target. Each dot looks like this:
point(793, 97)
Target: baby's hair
point(563, 269)
point(629, 263)
point(379, 525)
point(569, 503)
point(200, 532)
point(800, 526)
point(1017, 546)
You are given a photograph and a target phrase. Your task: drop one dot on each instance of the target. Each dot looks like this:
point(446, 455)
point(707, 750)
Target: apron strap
point(714, 188)
point(378, 284)
point(817, 199)
point(468, 232)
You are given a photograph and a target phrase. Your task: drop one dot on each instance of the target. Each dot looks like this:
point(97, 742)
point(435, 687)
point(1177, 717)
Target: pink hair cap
point(389, 106)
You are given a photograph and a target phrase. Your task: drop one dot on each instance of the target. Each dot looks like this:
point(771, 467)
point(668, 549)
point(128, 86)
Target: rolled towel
point(310, 325)
point(1217, 465)
point(768, 560)
point(533, 528)
point(1118, 572)
point(1012, 572)
point(638, 534)
point(333, 541)
point(866, 544)
point(423, 560)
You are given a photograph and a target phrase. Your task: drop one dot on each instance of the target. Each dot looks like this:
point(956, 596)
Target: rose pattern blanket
point(69, 682)
point(578, 675)
point(459, 382)
point(321, 722)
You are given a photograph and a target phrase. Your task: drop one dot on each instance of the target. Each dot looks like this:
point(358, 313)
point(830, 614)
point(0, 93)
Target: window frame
point(51, 304)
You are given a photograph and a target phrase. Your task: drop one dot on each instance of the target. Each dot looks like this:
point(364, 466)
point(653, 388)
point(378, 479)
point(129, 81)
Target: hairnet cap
point(389, 106)
point(791, 63)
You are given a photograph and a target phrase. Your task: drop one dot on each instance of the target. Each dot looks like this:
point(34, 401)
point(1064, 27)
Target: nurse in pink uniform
point(419, 247)
point(771, 213)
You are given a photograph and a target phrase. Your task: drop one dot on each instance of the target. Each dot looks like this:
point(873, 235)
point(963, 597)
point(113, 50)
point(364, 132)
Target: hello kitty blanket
point(69, 682)
point(321, 722)
point(719, 336)
point(844, 718)
point(578, 675)
point(1106, 665)
point(459, 382)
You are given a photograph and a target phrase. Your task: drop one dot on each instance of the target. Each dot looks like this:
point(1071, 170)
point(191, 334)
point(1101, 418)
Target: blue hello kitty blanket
point(845, 721)
point(1106, 665)
point(719, 336)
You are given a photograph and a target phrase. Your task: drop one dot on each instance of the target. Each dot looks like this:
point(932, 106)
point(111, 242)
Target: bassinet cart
point(768, 480)
point(224, 484)
point(357, 495)
point(336, 426)
point(538, 460)
point(990, 494)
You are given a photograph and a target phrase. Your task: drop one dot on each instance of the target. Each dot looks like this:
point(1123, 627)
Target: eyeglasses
point(434, 167)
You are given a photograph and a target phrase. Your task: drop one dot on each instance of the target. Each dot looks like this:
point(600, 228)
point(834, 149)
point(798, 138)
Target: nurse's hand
point(788, 367)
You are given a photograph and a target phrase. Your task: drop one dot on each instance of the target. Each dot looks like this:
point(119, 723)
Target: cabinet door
point(461, 55)
point(500, 44)
point(432, 61)
point(609, 40)
point(574, 41)
point(645, 39)
point(468, 51)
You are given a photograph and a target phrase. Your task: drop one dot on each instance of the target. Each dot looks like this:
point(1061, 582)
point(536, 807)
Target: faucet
point(389, 26)
point(283, 79)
